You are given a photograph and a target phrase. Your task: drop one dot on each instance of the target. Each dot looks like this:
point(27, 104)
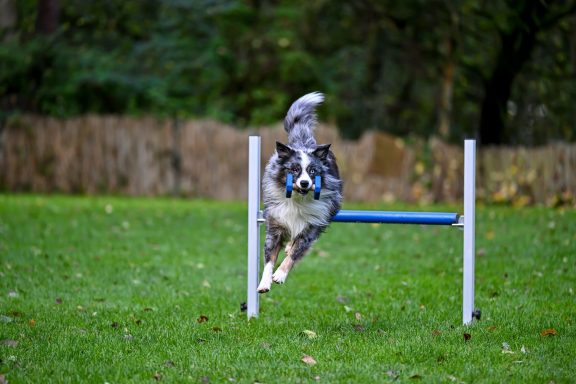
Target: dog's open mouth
point(302, 192)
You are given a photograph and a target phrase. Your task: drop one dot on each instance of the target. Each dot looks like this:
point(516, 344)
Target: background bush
point(413, 67)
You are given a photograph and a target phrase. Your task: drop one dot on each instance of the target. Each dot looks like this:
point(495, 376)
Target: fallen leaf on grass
point(157, 376)
point(416, 377)
point(491, 328)
point(308, 360)
point(506, 348)
point(392, 374)
point(467, 336)
point(342, 299)
point(217, 329)
point(358, 316)
point(169, 363)
point(10, 343)
point(32, 322)
point(347, 308)
point(548, 332)
point(310, 334)
point(58, 300)
point(202, 318)
point(436, 332)
point(523, 349)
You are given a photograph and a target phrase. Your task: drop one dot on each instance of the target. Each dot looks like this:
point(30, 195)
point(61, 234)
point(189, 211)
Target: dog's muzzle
point(304, 186)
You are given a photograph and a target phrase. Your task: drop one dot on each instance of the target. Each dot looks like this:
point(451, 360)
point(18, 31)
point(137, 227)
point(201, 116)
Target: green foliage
point(381, 63)
point(132, 290)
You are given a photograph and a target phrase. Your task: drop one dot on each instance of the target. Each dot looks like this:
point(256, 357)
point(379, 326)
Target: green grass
point(111, 290)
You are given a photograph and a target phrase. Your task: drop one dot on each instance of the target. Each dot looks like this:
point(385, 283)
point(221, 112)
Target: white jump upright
point(255, 219)
point(469, 230)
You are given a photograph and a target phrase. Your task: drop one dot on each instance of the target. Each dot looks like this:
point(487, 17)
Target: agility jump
point(465, 222)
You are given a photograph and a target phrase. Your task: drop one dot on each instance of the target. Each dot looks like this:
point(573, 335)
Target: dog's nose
point(304, 183)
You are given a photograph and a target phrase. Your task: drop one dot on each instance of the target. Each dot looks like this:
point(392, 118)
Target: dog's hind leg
point(272, 245)
point(295, 250)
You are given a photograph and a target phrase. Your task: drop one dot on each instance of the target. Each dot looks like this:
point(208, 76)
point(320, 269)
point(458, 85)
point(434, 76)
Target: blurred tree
point(448, 53)
point(501, 70)
point(47, 17)
point(518, 38)
point(8, 18)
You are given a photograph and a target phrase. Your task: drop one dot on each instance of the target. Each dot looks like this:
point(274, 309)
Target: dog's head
point(304, 165)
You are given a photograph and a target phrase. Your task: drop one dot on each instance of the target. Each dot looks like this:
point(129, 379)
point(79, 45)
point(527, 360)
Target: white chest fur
point(297, 213)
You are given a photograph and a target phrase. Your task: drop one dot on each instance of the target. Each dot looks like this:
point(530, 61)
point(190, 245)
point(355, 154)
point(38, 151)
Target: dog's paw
point(263, 289)
point(279, 277)
point(266, 280)
point(264, 285)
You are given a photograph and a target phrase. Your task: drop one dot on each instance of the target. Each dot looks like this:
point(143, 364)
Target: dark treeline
point(500, 70)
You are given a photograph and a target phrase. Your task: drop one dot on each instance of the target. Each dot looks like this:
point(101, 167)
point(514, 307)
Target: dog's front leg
point(295, 250)
point(272, 245)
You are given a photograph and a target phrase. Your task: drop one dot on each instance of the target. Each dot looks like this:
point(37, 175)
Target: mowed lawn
point(123, 290)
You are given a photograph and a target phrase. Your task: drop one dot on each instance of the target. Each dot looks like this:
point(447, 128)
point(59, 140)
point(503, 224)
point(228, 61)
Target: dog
point(297, 222)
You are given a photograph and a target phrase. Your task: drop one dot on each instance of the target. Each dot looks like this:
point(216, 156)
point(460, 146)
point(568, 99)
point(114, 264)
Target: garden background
point(141, 97)
point(123, 143)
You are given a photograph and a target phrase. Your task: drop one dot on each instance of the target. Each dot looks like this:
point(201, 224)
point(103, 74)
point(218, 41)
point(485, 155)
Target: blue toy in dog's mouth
point(290, 186)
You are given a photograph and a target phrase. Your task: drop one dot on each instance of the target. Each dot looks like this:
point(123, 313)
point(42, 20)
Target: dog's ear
point(322, 151)
point(283, 150)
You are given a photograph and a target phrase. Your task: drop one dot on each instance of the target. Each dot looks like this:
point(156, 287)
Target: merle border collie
point(297, 222)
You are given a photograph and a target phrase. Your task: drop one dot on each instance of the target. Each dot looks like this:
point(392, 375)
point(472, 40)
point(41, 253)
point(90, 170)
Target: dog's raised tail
point(301, 120)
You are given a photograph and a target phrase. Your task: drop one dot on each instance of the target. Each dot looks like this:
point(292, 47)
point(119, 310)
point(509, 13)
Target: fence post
point(176, 158)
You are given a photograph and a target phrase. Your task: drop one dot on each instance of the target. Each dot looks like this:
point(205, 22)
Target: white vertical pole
point(253, 225)
point(469, 230)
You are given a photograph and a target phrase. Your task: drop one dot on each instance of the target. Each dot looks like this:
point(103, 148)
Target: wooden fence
point(147, 156)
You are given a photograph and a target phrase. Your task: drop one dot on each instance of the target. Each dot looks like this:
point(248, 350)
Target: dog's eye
point(311, 171)
point(295, 168)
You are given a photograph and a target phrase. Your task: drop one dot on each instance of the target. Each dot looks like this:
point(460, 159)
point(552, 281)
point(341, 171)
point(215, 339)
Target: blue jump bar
point(392, 217)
